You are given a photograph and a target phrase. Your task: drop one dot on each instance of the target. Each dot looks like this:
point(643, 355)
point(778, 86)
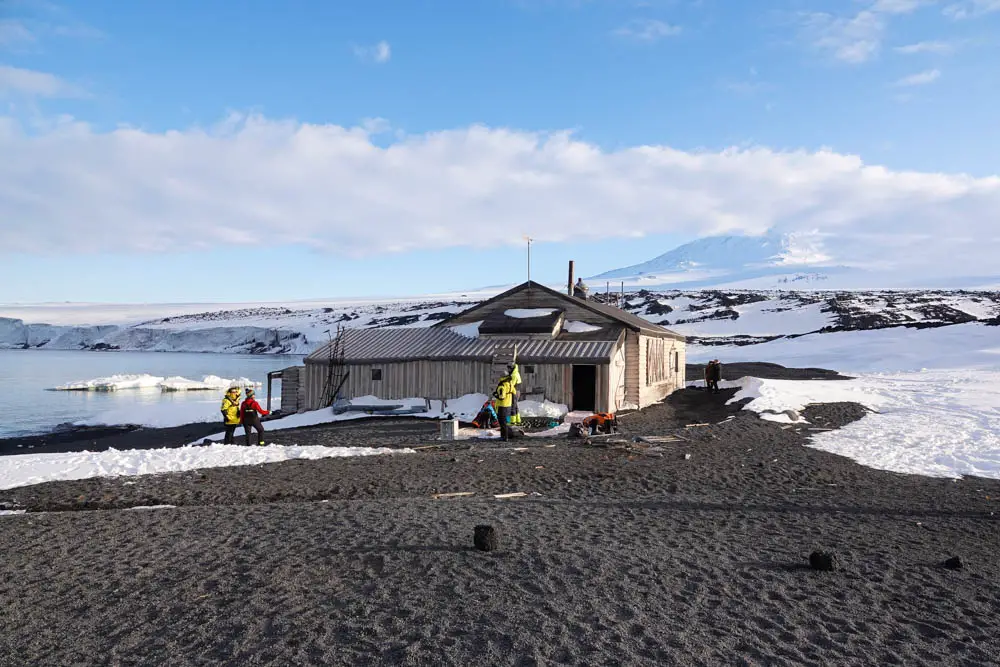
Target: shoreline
point(133, 436)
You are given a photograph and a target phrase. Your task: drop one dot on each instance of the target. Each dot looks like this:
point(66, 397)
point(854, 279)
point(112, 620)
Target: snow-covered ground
point(936, 422)
point(26, 469)
point(164, 415)
point(960, 346)
point(464, 408)
point(936, 393)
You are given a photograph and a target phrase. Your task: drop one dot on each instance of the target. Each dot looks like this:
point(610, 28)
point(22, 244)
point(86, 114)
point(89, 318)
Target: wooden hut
point(585, 354)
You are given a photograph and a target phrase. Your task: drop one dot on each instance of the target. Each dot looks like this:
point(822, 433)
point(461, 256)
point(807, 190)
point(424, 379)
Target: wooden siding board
point(632, 368)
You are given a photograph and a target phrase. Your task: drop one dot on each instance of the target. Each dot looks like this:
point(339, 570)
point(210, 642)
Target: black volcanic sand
point(618, 555)
point(763, 370)
point(102, 438)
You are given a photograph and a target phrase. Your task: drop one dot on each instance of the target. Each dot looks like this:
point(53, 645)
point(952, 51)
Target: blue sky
point(911, 85)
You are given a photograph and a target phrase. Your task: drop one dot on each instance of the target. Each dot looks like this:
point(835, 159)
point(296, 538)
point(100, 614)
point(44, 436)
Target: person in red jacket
point(250, 412)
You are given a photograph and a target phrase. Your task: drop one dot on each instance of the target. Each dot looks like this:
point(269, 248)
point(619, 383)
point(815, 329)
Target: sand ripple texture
point(623, 558)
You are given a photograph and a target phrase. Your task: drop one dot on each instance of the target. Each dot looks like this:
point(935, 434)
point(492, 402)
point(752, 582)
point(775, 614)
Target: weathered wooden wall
point(673, 376)
point(292, 389)
point(632, 368)
point(446, 380)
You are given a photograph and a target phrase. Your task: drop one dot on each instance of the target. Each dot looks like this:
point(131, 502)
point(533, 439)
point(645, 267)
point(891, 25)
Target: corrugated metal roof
point(390, 344)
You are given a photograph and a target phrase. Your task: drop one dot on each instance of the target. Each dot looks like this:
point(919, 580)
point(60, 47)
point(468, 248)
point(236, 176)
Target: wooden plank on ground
point(516, 494)
point(456, 494)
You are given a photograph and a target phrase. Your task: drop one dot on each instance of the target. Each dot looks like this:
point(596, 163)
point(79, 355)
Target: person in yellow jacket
point(504, 395)
point(231, 414)
point(515, 379)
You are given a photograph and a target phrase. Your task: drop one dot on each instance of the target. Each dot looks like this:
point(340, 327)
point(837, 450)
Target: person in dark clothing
point(713, 374)
point(250, 412)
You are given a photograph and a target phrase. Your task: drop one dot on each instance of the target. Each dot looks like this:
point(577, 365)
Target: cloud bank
point(255, 181)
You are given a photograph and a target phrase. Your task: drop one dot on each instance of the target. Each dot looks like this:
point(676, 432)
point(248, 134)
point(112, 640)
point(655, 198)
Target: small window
point(677, 361)
point(376, 374)
point(529, 370)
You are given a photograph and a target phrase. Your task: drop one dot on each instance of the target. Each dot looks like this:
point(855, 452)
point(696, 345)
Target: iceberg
point(208, 383)
point(113, 383)
point(146, 381)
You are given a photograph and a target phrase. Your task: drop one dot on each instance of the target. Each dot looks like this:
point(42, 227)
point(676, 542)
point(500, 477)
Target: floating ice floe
point(145, 381)
point(208, 383)
point(113, 383)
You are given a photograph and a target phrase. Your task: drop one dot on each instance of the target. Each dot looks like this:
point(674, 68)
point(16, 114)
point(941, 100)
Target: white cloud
point(971, 9)
point(856, 38)
point(920, 78)
point(379, 53)
point(932, 46)
point(14, 35)
point(647, 30)
point(253, 181)
point(29, 83)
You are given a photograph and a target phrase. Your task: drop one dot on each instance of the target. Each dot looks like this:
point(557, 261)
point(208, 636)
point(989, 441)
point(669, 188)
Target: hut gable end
point(530, 296)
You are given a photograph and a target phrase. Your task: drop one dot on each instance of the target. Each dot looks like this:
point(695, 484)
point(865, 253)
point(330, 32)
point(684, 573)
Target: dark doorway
point(585, 388)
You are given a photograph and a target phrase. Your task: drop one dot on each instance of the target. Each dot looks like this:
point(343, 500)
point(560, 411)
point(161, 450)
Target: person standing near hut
point(504, 395)
point(713, 374)
point(515, 380)
point(580, 289)
point(250, 412)
point(231, 414)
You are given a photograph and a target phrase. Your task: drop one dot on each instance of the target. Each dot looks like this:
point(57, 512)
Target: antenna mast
point(529, 239)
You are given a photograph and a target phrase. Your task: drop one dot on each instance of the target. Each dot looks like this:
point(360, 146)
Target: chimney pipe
point(569, 285)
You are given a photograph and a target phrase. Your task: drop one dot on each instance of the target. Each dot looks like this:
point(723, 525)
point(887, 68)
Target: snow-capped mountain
point(718, 260)
point(779, 261)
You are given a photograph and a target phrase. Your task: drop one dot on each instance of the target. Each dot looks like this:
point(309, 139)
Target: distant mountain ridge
point(707, 317)
point(769, 260)
point(783, 261)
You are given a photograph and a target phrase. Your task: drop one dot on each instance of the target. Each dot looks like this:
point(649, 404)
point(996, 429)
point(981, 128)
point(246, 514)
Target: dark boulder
point(822, 561)
point(486, 538)
point(953, 563)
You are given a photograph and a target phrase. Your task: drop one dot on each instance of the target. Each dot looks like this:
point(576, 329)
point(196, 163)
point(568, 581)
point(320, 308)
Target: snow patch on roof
point(574, 326)
point(526, 313)
point(470, 330)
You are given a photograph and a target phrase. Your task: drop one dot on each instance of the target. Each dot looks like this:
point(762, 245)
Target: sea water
point(27, 408)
